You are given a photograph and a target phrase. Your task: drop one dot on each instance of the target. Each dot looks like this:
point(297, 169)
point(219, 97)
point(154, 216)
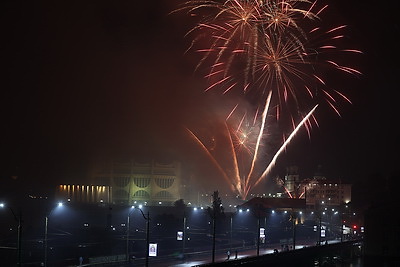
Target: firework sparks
point(267, 52)
point(241, 181)
point(209, 154)
point(284, 145)
point(263, 118)
point(298, 192)
point(255, 47)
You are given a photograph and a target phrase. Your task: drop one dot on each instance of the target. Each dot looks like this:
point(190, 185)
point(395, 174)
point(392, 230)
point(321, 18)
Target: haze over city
point(85, 80)
point(204, 131)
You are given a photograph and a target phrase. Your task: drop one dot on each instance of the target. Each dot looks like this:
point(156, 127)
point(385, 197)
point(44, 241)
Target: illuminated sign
point(153, 249)
point(262, 232)
point(179, 235)
point(262, 235)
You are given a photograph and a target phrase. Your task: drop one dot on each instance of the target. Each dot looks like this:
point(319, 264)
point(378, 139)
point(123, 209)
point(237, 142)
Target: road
point(205, 257)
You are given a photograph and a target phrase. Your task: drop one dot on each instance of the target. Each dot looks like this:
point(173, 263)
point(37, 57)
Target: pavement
point(204, 258)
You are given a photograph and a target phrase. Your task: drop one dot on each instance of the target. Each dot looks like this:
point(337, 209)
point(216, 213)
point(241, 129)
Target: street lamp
point(184, 235)
point(128, 231)
point(60, 204)
point(295, 218)
point(258, 235)
point(231, 225)
point(230, 241)
point(147, 235)
point(147, 218)
point(19, 235)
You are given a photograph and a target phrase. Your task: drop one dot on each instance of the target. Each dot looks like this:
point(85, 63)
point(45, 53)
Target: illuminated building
point(316, 190)
point(328, 192)
point(131, 182)
point(84, 193)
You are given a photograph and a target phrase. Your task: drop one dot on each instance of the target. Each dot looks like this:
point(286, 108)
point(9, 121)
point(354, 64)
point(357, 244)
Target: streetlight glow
point(60, 204)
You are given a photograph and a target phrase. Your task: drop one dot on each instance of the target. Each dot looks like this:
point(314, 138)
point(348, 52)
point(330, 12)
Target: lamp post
point(45, 240)
point(147, 235)
point(19, 232)
point(259, 211)
point(342, 209)
point(45, 232)
point(230, 241)
point(147, 218)
point(184, 235)
point(320, 228)
point(127, 238)
point(127, 232)
point(213, 238)
point(258, 236)
point(319, 212)
point(19, 240)
point(294, 224)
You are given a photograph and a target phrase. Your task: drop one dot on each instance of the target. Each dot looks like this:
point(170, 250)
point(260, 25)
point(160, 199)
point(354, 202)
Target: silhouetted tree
point(180, 206)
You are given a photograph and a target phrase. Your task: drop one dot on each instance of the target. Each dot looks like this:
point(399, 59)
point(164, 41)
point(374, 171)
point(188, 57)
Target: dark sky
point(87, 78)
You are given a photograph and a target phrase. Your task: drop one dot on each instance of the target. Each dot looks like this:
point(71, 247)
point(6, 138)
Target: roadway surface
point(195, 259)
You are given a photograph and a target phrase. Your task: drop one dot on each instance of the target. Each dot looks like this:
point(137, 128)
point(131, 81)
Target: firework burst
point(273, 54)
point(243, 175)
point(253, 47)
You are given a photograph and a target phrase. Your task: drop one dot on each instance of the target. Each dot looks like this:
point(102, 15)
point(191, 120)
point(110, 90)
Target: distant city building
point(291, 181)
point(317, 190)
point(327, 192)
point(129, 182)
point(151, 183)
point(84, 193)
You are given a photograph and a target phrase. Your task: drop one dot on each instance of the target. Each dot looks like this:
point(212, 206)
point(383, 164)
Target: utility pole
point(60, 204)
point(258, 235)
point(184, 234)
point(18, 219)
point(320, 228)
point(19, 233)
point(147, 237)
point(127, 238)
point(19, 241)
point(45, 240)
point(230, 242)
point(147, 234)
point(341, 222)
point(213, 245)
point(294, 221)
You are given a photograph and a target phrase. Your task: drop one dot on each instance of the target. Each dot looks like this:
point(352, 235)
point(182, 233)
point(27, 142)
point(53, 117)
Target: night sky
point(83, 79)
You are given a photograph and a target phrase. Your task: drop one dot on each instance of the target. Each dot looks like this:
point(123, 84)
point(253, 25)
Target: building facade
point(330, 193)
point(151, 183)
point(317, 190)
point(84, 193)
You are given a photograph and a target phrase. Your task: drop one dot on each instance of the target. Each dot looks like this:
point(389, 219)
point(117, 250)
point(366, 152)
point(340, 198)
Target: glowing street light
point(127, 232)
point(60, 204)
point(19, 238)
point(147, 218)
